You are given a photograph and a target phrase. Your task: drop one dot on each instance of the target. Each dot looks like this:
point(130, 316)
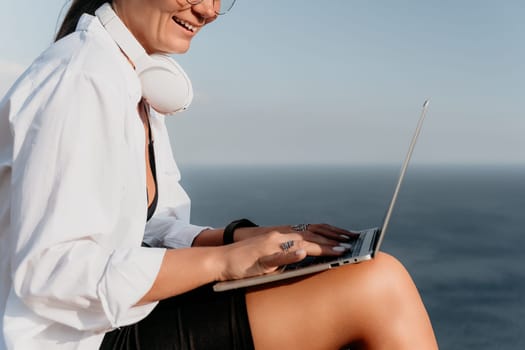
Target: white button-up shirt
point(73, 198)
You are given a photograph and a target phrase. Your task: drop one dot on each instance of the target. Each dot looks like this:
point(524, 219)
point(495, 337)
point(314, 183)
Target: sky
point(336, 82)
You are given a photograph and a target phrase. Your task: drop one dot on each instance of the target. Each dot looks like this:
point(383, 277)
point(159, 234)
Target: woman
point(83, 185)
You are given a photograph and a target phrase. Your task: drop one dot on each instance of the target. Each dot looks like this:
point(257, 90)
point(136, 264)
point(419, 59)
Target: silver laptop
point(363, 248)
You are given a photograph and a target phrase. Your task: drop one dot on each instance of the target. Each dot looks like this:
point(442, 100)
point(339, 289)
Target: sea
point(458, 229)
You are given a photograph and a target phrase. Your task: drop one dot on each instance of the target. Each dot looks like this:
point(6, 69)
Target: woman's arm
point(182, 270)
point(257, 251)
point(185, 269)
point(214, 237)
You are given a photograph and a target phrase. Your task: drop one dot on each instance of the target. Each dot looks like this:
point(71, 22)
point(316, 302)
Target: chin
point(178, 48)
point(182, 50)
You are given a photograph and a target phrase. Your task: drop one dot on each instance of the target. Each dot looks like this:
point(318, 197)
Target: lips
point(185, 24)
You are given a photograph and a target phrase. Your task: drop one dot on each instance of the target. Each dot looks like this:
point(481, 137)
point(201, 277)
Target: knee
point(382, 278)
point(387, 265)
point(390, 271)
point(389, 282)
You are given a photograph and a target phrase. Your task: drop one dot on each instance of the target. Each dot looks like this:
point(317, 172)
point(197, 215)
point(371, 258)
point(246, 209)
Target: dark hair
point(78, 7)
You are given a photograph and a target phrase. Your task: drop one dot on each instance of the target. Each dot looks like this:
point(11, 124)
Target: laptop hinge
point(375, 240)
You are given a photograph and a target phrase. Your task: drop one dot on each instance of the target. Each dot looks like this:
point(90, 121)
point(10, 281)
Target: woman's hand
point(329, 236)
point(324, 239)
point(262, 254)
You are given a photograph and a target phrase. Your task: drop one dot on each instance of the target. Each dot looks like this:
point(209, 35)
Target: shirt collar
point(89, 23)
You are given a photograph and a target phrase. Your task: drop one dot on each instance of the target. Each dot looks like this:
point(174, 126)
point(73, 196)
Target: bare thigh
point(373, 303)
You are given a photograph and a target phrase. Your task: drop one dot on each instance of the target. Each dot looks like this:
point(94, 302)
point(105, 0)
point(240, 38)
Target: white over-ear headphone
point(165, 85)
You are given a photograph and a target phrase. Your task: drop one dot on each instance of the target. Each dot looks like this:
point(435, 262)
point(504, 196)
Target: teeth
point(184, 24)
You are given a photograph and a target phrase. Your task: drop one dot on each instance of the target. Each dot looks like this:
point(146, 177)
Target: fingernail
point(338, 249)
point(344, 236)
point(299, 252)
point(345, 245)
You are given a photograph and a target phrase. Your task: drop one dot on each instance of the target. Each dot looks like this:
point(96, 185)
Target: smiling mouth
point(184, 24)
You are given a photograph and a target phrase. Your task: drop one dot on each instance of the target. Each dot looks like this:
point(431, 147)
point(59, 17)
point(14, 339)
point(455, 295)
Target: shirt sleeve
point(68, 263)
point(165, 230)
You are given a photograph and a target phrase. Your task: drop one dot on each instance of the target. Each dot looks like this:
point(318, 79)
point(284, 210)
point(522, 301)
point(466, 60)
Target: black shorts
point(198, 320)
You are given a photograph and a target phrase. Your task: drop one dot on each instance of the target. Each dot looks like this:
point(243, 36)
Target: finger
point(332, 232)
point(319, 239)
point(270, 262)
point(320, 245)
point(315, 249)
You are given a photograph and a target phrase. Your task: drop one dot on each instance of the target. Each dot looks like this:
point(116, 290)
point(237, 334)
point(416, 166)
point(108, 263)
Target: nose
point(206, 9)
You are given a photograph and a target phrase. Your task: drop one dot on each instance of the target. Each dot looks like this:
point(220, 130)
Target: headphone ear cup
point(165, 85)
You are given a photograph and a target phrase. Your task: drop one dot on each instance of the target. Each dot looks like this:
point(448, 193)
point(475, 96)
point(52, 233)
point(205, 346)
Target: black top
point(151, 151)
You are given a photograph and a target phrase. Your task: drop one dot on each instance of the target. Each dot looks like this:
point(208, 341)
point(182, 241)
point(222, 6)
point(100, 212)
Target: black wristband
point(227, 237)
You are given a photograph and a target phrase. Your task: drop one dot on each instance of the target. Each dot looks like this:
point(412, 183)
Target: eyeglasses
point(221, 7)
